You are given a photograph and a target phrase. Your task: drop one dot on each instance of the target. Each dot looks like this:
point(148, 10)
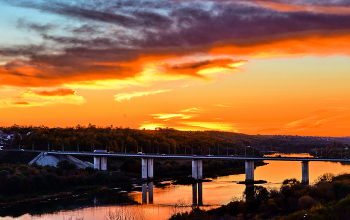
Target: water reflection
point(194, 194)
point(197, 194)
point(161, 199)
point(148, 186)
point(249, 192)
point(200, 194)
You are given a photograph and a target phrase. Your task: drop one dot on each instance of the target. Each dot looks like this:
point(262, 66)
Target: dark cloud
point(108, 35)
point(192, 68)
point(95, 42)
point(313, 2)
point(203, 64)
point(22, 50)
point(107, 12)
point(23, 24)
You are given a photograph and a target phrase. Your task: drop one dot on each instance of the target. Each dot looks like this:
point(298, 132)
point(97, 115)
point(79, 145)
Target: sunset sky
point(252, 66)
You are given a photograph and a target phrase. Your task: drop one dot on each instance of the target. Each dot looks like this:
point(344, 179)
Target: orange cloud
point(167, 117)
point(326, 9)
point(21, 103)
point(127, 96)
point(198, 109)
point(56, 92)
point(224, 106)
point(196, 67)
point(30, 98)
point(223, 126)
point(291, 46)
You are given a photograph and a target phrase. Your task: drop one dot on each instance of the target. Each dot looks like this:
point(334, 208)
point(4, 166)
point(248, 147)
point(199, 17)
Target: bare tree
point(123, 213)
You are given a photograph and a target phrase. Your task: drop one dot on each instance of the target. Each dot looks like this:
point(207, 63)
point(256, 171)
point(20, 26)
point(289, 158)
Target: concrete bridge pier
point(103, 163)
point(197, 169)
point(305, 172)
point(100, 163)
point(249, 170)
point(150, 168)
point(97, 163)
point(147, 168)
point(144, 168)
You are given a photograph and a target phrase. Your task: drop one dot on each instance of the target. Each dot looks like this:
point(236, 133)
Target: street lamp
point(245, 152)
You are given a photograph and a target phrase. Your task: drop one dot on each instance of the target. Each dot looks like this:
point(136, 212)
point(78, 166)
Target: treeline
point(29, 179)
point(121, 140)
point(332, 150)
point(329, 198)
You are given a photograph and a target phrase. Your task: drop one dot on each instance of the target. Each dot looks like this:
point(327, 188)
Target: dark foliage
point(329, 198)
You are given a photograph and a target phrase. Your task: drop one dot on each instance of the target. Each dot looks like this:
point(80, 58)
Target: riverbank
point(329, 198)
point(22, 184)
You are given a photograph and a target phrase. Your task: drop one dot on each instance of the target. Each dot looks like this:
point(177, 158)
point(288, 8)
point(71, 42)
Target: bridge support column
point(197, 169)
point(147, 168)
point(194, 170)
point(249, 170)
point(97, 163)
point(150, 168)
point(200, 169)
point(144, 168)
point(305, 172)
point(103, 163)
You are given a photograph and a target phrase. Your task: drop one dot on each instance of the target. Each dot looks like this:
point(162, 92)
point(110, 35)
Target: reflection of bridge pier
point(249, 192)
point(249, 171)
point(150, 193)
point(197, 194)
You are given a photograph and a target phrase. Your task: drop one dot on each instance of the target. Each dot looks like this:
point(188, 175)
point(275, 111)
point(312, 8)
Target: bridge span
point(100, 161)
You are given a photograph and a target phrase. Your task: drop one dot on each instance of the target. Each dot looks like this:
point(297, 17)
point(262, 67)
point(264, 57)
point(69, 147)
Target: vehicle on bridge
point(100, 151)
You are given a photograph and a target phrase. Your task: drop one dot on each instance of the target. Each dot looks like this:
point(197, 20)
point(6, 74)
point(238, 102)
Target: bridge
point(100, 161)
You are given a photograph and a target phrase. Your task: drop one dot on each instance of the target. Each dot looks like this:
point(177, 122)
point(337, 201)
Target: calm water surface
point(170, 199)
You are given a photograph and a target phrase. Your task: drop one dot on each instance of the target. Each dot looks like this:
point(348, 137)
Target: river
point(168, 199)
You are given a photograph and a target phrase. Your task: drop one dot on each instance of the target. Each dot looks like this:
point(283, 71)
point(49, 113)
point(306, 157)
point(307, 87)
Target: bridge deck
point(177, 156)
point(197, 157)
